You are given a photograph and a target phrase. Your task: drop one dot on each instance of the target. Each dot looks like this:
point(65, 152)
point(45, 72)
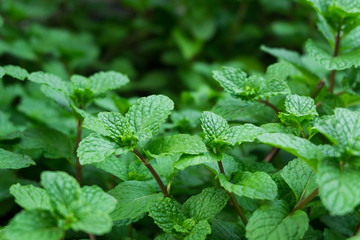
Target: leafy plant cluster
point(277, 157)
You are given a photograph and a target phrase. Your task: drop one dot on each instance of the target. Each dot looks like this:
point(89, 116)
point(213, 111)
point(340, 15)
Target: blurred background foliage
point(164, 46)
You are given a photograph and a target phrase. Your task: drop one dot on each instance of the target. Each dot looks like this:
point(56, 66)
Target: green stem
point(308, 199)
point(233, 200)
point(152, 171)
point(336, 52)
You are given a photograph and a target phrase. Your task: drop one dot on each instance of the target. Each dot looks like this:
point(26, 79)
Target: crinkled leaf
point(50, 80)
point(34, 225)
point(91, 221)
point(10, 160)
point(63, 190)
point(166, 213)
point(199, 231)
point(179, 143)
point(257, 185)
point(187, 161)
point(300, 177)
point(244, 133)
point(279, 71)
point(299, 147)
point(341, 62)
point(338, 187)
point(16, 72)
point(214, 126)
point(133, 198)
point(97, 199)
point(205, 205)
point(272, 221)
point(30, 197)
point(148, 113)
point(102, 82)
point(96, 148)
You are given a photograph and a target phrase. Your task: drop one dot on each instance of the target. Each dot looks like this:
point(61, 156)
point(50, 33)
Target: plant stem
point(271, 154)
point(356, 229)
point(317, 89)
point(78, 174)
point(153, 172)
point(92, 236)
point(308, 199)
point(130, 233)
point(336, 52)
point(267, 103)
point(233, 200)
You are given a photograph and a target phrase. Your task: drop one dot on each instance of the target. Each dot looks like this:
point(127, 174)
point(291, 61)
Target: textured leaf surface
point(91, 221)
point(338, 187)
point(63, 190)
point(96, 148)
point(30, 197)
point(102, 82)
point(179, 143)
point(279, 71)
point(148, 113)
point(116, 124)
point(10, 160)
point(341, 62)
point(231, 79)
point(133, 199)
point(97, 199)
point(257, 185)
point(166, 213)
point(199, 231)
point(272, 221)
point(299, 147)
point(214, 126)
point(50, 80)
point(205, 205)
point(300, 177)
point(34, 225)
point(188, 161)
point(244, 133)
point(16, 72)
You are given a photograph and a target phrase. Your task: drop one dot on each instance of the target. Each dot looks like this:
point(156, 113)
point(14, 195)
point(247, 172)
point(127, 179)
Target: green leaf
point(102, 82)
point(34, 225)
point(2, 72)
point(272, 221)
point(16, 72)
point(30, 197)
point(214, 126)
point(50, 80)
point(244, 133)
point(114, 165)
point(166, 213)
point(179, 143)
point(341, 62)
point(206, 205)
point(63, 190)
point(53, 143)
point(147, 114)
point(300, 177)
point(342, 128)
point(97, 199)
point(299, 110)
point(338, 187)
point(133, 198)
point(189, 160)
point(199, 231)
point(257, 185)
point(96, 148)
point(280, 71)
point(300, 147)
point(10, 160)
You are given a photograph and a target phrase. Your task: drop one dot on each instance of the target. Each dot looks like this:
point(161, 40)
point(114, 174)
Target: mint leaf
point(342, 128)
point(341, 62)
point(96, 148)
point(280, 71)
point(214, 126)
point(300, 147)
point(63, 190)
point(272, 221)
point(30, 197)
point(244, 133)
point(34, 225)
point(187, 161)
point(133, 199)
point(206, 205)
point(15, 72)
point(97, 199)
point(102, 82)
point(257, 185)
point(338, 187)
point(50, 80)
point(2, 72)
point(166, 213)
point(179, 143)
point(199, 231)
point(10, 160)
point(300, 177)
point(147, 114)
point(300, 109)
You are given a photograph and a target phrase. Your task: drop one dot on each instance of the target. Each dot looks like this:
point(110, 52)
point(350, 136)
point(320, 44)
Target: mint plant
point(273, 156)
